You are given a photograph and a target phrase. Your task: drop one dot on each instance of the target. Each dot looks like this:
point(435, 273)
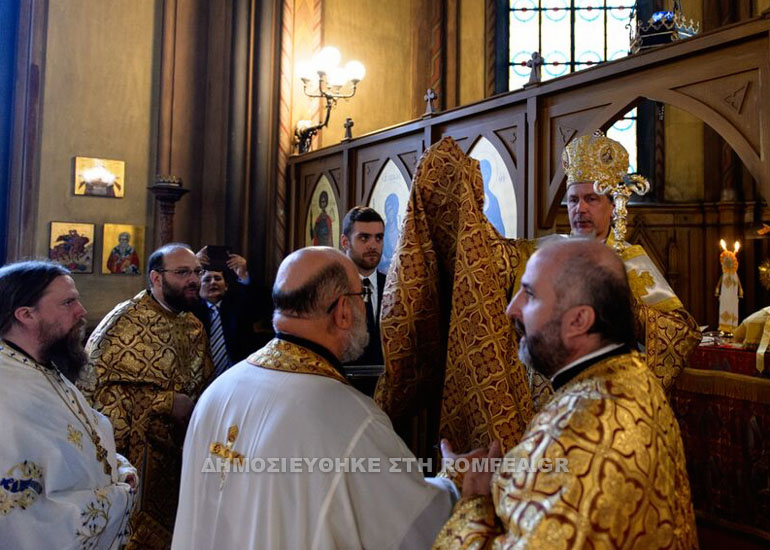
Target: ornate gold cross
point(620, 192)
point(226, 451)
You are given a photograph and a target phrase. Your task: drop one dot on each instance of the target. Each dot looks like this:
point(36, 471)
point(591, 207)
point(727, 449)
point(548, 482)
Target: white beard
point(359, 337)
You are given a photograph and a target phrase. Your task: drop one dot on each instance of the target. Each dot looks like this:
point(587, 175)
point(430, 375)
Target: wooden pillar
point(267, 201)
point(24, 178)
point(452, 56)
point(167, 191)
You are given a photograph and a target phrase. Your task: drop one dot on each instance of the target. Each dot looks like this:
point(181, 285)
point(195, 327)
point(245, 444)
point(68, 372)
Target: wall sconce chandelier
point(324, 78)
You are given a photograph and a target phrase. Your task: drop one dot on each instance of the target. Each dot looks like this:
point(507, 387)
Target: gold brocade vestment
point(443, 310)
point(667, 331)
point(625, 484)
point(287, 356)
point(444, 331)
point(140, 355)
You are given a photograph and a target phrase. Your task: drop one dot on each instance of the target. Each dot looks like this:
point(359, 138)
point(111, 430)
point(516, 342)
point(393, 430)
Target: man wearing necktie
point(227, 311)
point(363, 230)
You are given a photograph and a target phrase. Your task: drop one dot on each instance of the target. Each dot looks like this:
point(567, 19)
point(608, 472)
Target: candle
point(729, 289)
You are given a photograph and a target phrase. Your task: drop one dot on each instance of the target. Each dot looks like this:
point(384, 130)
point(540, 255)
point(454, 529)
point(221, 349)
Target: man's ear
point(24, 315)
point(577, 321)
point(154, 277)
point(342, 314)
point(344, 242)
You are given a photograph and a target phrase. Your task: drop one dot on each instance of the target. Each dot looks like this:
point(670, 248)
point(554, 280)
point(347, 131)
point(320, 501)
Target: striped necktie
point(217, 342)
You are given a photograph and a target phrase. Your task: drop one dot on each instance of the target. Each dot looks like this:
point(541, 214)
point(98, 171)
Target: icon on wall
point(390, 196)
point(72, 245)
point(499, 196)
point(100, 177)
point(322, 227)
point(122, 249)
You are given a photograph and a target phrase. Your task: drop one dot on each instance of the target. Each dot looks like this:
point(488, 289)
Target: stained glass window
point(571, 35)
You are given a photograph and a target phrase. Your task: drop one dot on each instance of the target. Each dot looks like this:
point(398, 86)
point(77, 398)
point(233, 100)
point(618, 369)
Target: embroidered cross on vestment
point(227, 452)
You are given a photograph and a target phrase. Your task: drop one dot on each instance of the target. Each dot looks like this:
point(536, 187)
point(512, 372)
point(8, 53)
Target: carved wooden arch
point(721, 77)
point(726, 91)
point(400, 166)
point(333, 180)
point(731, 133)
point(724, 83)
point(369, 161)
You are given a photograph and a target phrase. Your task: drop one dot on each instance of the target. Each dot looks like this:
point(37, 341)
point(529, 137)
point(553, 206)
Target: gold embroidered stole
point(646, 281)
point(289, 357)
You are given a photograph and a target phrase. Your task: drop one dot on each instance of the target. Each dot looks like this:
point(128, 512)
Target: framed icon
point(122, 249)
point(100, 177)
point(72, 245)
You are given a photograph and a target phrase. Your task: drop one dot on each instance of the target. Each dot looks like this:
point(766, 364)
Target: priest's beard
point(359, 337)
point(178, 298)
point(544, 350)
point(66, 352)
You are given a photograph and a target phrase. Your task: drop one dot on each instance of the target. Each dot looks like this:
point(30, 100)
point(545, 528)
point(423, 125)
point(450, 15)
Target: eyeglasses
point(366, 295)
point(183, 272)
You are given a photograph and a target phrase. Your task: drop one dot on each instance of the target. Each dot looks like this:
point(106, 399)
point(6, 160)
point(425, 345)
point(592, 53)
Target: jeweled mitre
point(594, 158)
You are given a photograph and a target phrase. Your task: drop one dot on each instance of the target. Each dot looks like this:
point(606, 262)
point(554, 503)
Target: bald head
point(580, 255)
point(309, 279)
point(318, 296)
point(587, 272)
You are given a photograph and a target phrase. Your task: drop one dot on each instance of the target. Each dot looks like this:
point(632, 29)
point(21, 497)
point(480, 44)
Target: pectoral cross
point(226, 451)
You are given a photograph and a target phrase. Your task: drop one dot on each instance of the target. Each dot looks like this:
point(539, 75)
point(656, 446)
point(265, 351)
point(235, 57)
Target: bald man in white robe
point(352, 482)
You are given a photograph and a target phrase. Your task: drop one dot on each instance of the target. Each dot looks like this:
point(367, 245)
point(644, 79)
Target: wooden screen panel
point(404, 151)
point(505, 129)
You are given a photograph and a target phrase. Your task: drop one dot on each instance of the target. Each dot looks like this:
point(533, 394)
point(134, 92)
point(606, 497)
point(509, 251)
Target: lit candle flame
point(736, 246)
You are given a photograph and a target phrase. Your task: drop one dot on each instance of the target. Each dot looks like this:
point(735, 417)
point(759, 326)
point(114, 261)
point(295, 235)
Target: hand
point(131, 480)
point(182, 408)
point(454, 471)
point(238, 265)
point(475, 483)
point(203, 256)
point(480, 483)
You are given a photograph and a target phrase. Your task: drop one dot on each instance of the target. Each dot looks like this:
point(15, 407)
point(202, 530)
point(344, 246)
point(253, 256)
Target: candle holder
point(729, 289)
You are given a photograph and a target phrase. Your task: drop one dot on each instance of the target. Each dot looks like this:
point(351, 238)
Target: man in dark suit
point(363, 230)
point(227, 310)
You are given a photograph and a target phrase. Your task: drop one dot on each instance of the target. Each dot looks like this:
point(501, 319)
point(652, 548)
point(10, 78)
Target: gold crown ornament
point(594, 158)
point(597, 159)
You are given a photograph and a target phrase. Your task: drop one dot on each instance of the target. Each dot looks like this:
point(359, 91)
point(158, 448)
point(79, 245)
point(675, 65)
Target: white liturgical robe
point(296, 406)
point(61, 482)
